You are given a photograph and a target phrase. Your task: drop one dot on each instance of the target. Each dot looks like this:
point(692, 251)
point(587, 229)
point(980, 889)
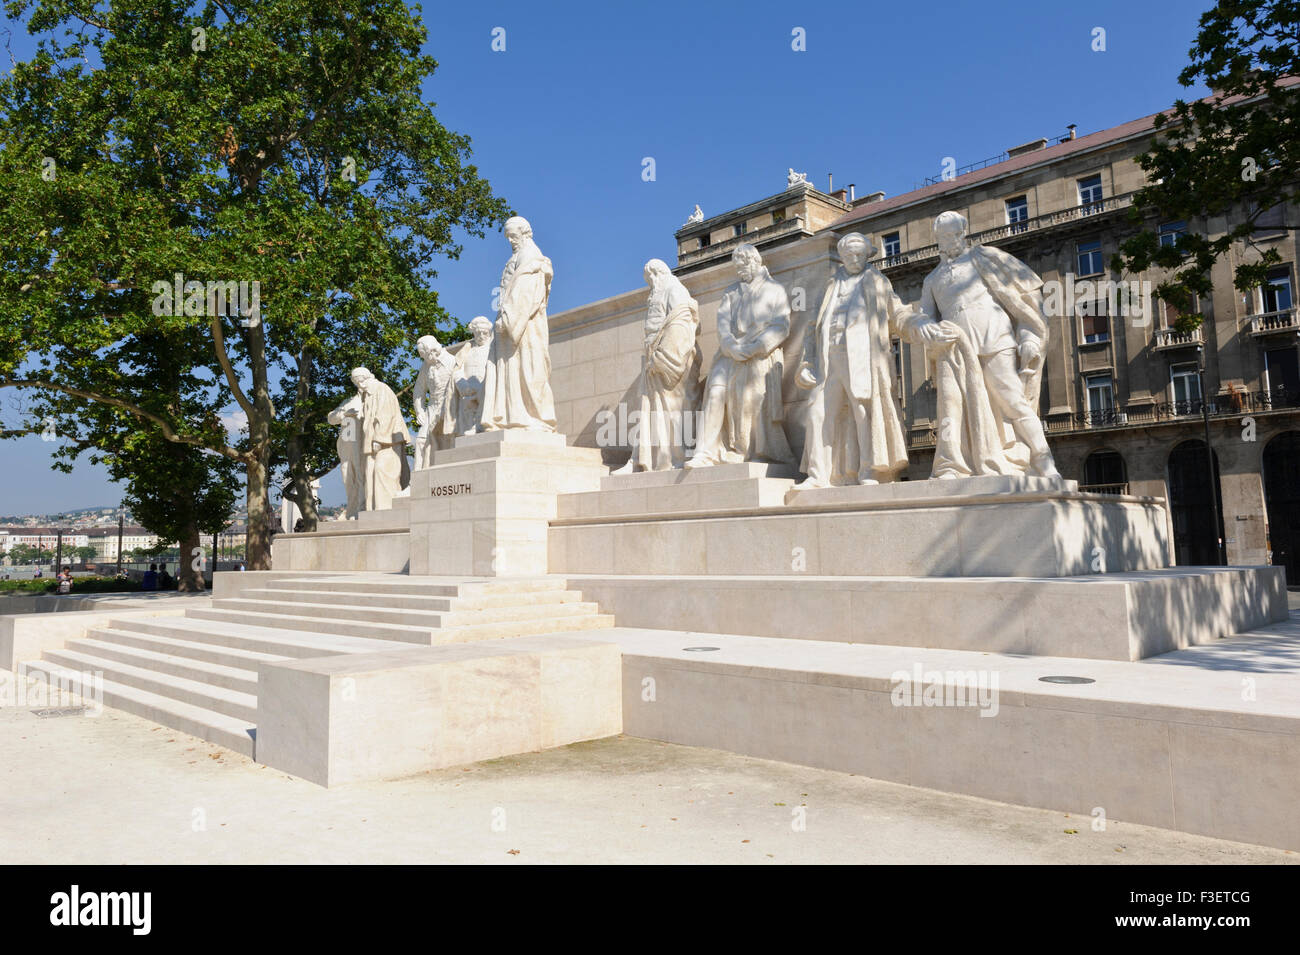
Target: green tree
point(1235, 155)
point(280, 142)
point(28, 554)
point(84, 553)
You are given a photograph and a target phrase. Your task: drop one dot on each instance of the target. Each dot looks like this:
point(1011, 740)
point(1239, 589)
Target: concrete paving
point(118, 789)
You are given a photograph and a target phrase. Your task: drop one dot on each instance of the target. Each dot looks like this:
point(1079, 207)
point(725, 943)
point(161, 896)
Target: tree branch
point(167, 430)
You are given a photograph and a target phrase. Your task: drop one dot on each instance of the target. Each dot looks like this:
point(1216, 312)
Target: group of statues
point(500, 378)
point(979, 319)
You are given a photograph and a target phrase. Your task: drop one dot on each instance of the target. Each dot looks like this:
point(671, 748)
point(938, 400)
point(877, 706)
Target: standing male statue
point(743, 411)
point(464, 404)
point(352, 466)
point(854, 430)
point(383, 440)
point(670, 373)
point(987, 353)
point(431, 385)
point(517, 386)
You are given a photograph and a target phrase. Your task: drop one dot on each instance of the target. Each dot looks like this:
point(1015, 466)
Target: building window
point(1270, 222)
point(1171, 314)
point(741, 229)
point(778, 216)
point(1090, 194)
point(705, 241)
point(1186, 386)
point(1104, 473)
point(1171, 232)
point(1018, 213)
point(1095, 321)
point(1089, 258)
point(893, 244)
point(1276, 291)
point(1101, 399)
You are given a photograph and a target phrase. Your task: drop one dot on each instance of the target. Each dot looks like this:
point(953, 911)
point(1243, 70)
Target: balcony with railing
point(1274, 323)
point(757, 237)
point(1167, 338)
point(1104, 488)
point(1018, 229)
point(1157, 412)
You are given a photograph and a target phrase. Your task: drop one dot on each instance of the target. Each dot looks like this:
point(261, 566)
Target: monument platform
point(1205, 740)
point(972, 527)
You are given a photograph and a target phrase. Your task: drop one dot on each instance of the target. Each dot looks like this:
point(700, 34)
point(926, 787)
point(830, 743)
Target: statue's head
point(362, 378)
point(656, 270)
point(950, 233)
point(481, 329)
point(855, 251)
point(747, 261)
point(517, 230)
point(428, 347)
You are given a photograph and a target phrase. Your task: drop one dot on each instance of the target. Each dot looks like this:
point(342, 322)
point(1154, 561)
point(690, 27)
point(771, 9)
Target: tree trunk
point(187, 578)
point(258, 545)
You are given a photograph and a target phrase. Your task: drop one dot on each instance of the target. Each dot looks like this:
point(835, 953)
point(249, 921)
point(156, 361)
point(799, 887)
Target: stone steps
point(203, 695)
point(416, 601)
point(227, 731)
point(240, 679)
point(431, 619)
point(243, 636)
point(199, 673)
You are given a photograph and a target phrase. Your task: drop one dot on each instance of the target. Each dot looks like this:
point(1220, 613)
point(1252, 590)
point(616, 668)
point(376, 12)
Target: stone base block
point(723, 487)
point(1107, 616)
point(994, 527)
point(484, 506)
point(366, 716)
point(1173, 746)
point(344, 546)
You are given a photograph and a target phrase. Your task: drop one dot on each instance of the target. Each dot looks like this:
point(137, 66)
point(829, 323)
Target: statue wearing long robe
point(517, 381)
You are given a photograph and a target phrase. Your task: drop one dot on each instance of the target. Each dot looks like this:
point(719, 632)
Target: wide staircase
point(198, 673)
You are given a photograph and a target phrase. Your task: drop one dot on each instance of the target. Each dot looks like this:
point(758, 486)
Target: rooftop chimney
point(852, 191)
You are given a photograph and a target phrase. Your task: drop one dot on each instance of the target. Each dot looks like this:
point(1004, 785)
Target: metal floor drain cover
point(1066, 679)
point(700, 649)
point(62, 711)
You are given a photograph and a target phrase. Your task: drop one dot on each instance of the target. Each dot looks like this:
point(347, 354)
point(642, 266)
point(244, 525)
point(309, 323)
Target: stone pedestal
point(483, 509)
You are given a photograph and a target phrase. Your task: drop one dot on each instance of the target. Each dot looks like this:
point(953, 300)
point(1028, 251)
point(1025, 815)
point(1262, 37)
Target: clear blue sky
point(562, 119)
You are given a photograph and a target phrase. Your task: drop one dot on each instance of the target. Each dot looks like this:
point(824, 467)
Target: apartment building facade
point(1127, 399)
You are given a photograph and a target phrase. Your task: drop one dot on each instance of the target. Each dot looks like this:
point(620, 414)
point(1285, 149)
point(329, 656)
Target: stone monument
point(743, 411)
point(517, 385)
point(464, 402)
point(793, 178)
point(383, 441)
point(986, 352)
point(668, 389)
point(854, 431)
point(352, 466)
point(431, 387)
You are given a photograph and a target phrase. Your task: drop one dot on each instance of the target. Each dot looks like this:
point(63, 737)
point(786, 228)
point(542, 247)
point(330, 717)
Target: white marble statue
point(668, 389)
point(743, 410)
point(517, 385)
point(383, 441)
point(352, 466)
point(464, 404)
point(696, 216)
point(855, 433)
point(437, 367)
point(793, 178)
point(981, 311)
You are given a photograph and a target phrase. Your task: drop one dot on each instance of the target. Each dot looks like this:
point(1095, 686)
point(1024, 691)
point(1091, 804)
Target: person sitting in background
point(65, 582)
point(150, 579)
point(165, 580)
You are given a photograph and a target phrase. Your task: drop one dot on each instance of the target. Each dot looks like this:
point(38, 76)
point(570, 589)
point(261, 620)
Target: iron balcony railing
point(1023, 227)
point(1105, 488)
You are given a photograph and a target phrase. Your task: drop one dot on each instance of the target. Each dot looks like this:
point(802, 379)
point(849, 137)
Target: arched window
point(1104, 473)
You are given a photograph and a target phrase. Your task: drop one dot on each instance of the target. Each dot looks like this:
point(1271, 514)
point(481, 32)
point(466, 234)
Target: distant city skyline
point(718, 99)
